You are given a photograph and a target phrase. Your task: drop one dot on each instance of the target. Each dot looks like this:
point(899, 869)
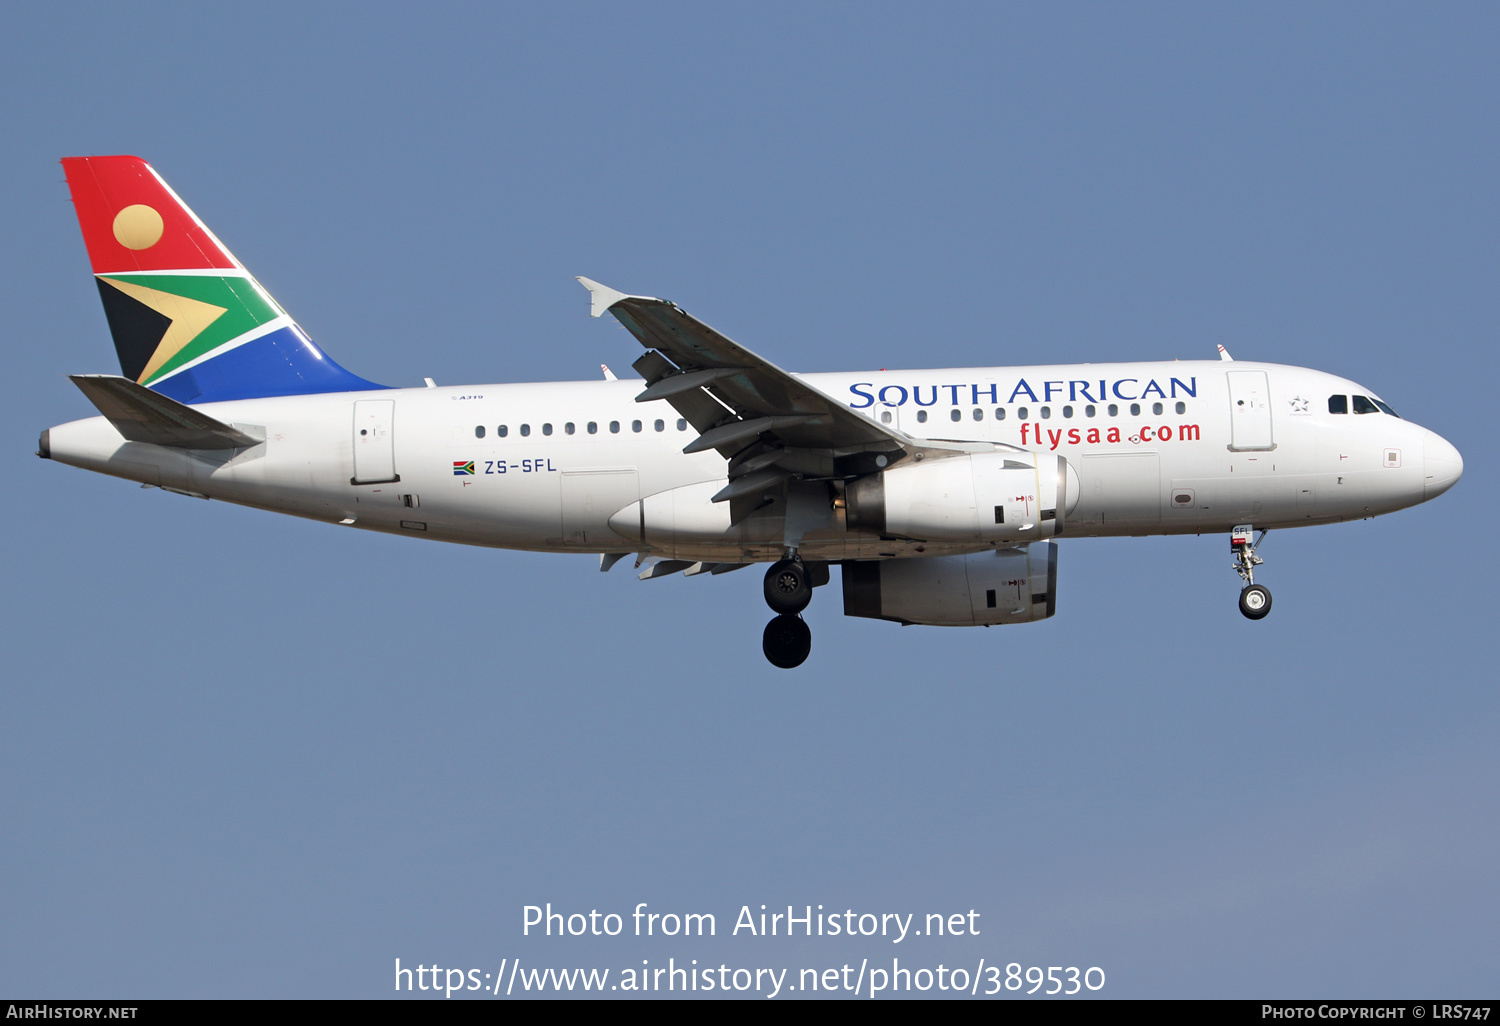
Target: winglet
point(1224, 354)
point(603, 297)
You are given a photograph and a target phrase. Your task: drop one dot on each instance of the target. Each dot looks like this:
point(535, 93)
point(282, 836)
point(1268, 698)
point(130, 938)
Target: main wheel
point(1255, 601)
point(787, 588)
point(787, 641)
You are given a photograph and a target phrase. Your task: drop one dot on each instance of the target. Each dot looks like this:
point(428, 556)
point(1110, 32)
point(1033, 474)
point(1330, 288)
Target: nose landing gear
point(789, 586)
point(1255, 599)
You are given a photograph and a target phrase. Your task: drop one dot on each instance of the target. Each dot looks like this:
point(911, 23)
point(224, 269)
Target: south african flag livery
point(188, 320)
point(463, 468)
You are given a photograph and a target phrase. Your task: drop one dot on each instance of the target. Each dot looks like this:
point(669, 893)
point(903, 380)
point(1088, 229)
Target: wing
point(769, 424)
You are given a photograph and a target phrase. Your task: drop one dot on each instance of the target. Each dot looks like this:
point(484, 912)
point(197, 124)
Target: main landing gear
point(1255, 599)
point(789, 586)
point(787, 641)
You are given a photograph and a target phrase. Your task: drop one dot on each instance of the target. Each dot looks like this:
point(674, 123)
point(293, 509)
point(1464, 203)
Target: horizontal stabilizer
point(142, 415)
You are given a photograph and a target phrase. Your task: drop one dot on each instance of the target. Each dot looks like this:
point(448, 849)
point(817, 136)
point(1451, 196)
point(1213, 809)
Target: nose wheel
point(1255, 599)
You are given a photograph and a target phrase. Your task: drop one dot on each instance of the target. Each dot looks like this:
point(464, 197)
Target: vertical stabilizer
point(188, 320)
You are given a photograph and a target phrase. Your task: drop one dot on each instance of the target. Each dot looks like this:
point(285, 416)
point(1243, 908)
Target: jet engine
point(1013, 497)
point(983, 588)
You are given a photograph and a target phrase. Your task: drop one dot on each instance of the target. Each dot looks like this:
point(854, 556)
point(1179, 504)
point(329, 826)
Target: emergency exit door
point(1249, 412)
point(374, 443)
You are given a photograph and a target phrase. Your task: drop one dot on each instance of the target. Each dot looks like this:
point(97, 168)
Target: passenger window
point(1022, 413)
point(1088, 411)
point(1135, 409)
point(635, 425)
point(1156, 408)
point(660, 425)
point(593, 427)
point(479, 431)
point(1338, 404)
point(885, 416)
point(999, 412)
point(1046, 413)
point(525, 430)
point(502, 431)
point(681, 424)
point(921, 416)
point(1182, 407)
point(1363, 405)
point(546, 429)
point(568, 427)
point(614, 427)
point(954, 414)
point(1114, 410)
point(1067, 412)
point(978, 414)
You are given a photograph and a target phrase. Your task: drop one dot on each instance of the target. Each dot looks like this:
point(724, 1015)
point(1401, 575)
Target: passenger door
point(1249, 412)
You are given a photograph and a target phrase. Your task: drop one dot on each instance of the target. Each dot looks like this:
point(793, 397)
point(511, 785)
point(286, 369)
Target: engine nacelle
point(983, 497)
point(982, 588)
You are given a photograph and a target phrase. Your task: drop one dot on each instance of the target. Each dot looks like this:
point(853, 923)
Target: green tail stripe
point(245, 309)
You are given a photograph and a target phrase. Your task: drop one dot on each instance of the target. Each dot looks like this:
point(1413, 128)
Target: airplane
point(941, 494)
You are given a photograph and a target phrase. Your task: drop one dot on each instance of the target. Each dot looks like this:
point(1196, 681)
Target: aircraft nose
point(1442, 465)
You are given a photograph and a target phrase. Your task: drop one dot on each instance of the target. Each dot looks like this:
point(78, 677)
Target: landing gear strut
point(789, 585)
point(1255, 599)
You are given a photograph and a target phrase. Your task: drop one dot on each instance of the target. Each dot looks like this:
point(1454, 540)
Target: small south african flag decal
point(462, 468)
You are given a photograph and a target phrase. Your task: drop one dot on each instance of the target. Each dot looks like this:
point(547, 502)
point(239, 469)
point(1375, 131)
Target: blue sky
point(255, 756)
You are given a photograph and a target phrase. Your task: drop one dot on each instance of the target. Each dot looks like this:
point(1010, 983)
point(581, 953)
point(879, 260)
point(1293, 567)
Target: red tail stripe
point(104, 186)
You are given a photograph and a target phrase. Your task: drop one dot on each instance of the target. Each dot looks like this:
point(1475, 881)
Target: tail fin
point(188, 320)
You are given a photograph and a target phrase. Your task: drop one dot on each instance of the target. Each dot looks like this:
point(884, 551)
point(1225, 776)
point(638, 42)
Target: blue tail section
point(283, 362)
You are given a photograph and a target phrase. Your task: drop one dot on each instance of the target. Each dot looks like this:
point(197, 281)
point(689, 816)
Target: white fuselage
point(1158, 448)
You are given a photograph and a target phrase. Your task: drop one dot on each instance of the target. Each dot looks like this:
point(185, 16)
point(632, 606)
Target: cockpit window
point(1338, 404)
point(1386, 408)
point(1363, 405)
